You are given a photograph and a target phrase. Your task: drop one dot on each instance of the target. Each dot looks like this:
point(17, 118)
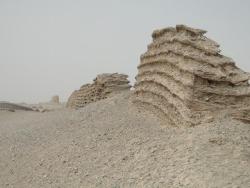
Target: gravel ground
point(113, 144)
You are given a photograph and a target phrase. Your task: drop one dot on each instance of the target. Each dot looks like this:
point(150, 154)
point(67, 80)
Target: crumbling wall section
point(12, 107)
point(104, 86)
point(184, 76)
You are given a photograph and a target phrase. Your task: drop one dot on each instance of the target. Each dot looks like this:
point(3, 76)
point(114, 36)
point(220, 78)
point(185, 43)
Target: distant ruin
point(104, 85)
point(55, 99)
point(184, 77)
point(7, 106)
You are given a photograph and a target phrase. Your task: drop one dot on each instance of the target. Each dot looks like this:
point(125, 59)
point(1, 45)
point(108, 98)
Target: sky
point(52, 47)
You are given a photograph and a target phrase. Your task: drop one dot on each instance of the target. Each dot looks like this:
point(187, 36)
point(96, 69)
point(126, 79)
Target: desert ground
point(112, 143)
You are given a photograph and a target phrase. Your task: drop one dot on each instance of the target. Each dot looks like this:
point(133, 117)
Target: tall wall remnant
point(104, 85)
point(184, 77)
point(55, 99)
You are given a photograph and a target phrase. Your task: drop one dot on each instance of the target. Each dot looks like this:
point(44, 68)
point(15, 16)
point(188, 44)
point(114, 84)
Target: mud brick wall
point(184, 78)
point(103, 86)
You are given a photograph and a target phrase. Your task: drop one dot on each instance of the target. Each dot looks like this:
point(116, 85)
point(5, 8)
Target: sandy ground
point(112, 144)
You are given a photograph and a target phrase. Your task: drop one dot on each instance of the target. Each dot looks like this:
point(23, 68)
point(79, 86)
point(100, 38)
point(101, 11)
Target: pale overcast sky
point(50, 47)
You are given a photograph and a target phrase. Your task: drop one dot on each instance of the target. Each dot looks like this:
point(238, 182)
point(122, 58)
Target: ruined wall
point(12, 107)
point(104, 86)
point(55, 99)
point(184, 77)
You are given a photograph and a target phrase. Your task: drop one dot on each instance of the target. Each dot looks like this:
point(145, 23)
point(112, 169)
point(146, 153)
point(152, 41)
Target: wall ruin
point(104, 86)
point(183, 77)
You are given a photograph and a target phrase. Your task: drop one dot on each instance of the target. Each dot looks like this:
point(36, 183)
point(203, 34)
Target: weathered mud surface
point(184, 76)
point(104, 86)
point(12, 107)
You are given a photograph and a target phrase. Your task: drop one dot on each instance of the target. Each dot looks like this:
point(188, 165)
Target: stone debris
point(40, 108)
point(242, 114)
point(183, 77)
point(104, 86)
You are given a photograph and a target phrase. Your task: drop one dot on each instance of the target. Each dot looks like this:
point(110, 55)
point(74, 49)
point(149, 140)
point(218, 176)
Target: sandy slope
point(112, 144)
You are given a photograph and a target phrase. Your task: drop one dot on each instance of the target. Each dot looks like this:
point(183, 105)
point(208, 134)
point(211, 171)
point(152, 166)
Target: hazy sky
point(50, 47)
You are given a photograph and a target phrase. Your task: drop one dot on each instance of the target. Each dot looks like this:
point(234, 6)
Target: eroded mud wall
point(104, 86)
point(184, 77)
point(12, 107)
